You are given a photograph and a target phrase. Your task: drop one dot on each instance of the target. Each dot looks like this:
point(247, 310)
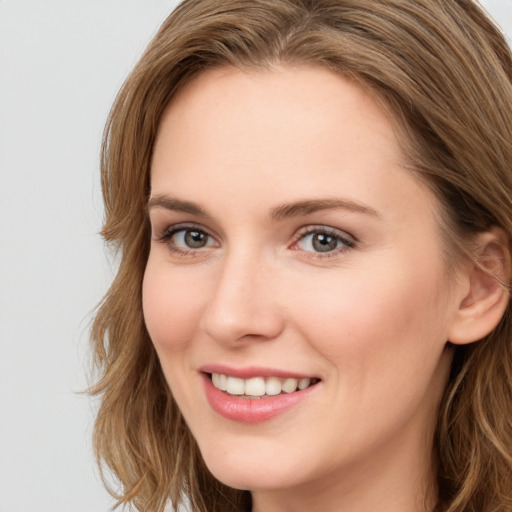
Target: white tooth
point(289, 385)
point(304, 383)
point(273, 386)
point(255, 386)
point(223, 382)
point(215, 379)
point(235, 386)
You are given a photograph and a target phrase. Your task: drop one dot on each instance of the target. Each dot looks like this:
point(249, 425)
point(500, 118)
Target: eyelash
point(347, 241)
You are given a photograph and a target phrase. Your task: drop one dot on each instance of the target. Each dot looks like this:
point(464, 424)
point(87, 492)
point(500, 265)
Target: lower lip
point(247, 410)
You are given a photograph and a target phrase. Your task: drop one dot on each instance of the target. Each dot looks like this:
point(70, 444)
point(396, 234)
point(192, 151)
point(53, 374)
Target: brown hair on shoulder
point(444, 70)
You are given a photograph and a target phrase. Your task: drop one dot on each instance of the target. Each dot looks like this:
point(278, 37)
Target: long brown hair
point(445, 72)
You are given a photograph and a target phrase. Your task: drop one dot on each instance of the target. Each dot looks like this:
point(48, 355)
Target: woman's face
point(291, 250)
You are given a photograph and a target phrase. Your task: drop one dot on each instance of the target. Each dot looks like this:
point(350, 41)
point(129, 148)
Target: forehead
point(247, 115)
point(279, 135)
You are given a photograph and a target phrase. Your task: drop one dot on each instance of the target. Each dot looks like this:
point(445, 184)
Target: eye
point(186, 239)
point(322, 240)
point(190, 239)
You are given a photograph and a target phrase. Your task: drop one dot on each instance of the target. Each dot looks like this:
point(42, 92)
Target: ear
point(486, 294)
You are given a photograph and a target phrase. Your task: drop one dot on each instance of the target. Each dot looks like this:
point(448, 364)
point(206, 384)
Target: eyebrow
point(177, 205)
point(281, 212)
point(296, 209)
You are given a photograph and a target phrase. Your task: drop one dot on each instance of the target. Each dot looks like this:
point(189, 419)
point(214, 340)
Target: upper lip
point(248, 372)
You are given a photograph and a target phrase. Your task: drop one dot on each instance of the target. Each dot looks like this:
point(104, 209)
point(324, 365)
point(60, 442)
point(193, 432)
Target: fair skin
point(348, 288)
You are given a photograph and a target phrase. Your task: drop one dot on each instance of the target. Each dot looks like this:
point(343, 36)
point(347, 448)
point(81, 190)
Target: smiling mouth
point(259, 387)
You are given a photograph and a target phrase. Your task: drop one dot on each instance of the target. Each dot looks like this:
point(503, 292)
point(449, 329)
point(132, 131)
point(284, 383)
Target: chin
point(253, 472)
point(252, 479)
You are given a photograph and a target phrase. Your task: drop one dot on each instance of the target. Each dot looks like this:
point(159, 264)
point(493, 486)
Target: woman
point(312, 203)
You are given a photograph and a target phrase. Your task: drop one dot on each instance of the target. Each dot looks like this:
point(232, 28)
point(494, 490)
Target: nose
point(243, 304)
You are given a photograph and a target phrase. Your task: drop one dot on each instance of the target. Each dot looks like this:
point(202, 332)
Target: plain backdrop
point(61, 64)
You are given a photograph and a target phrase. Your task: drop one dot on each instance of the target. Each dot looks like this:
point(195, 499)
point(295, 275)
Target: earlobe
point(487, 282)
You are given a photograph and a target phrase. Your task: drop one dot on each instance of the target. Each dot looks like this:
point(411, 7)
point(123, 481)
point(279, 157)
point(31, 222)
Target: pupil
point(324, 243)
point(195, 239)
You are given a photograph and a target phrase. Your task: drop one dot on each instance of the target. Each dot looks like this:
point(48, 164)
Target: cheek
point(377, 322)
point(384, 344)
point(173, 301)
point(171, 305)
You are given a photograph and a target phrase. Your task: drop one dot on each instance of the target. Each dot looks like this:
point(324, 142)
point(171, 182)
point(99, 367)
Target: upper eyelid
point(161, 222)
point(184, 226)
point(313, 228)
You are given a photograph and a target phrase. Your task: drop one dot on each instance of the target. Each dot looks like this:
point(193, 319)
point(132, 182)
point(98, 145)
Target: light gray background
point(61, 64)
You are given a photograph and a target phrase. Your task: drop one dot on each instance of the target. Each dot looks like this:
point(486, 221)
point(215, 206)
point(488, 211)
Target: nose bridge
point(241, 305)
